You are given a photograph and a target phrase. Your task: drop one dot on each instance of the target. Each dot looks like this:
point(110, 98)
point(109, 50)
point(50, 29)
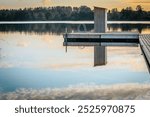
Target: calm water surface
point(33, 56)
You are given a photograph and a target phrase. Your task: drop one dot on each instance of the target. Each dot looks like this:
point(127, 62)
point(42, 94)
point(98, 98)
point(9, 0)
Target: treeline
point(44, 14)
point(128, 14)
point(68, 13)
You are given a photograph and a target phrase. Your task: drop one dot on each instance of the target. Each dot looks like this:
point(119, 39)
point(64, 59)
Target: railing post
point(100, 26)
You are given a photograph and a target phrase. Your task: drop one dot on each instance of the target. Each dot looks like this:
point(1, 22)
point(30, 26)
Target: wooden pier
point(100, 39)
point(144, 40)
point(110, 39)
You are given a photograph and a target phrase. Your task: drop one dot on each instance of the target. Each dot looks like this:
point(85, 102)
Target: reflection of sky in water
point(40, 61)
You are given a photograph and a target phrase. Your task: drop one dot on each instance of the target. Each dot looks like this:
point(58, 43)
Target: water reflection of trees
point(61, 28)
point(43, 28)
point(128, 27)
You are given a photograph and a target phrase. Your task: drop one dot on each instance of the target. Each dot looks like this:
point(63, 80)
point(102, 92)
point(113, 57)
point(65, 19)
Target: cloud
point(128, 57)
point(141, 2)
point(138, 1)
point(64, 66)
point(113, 92)
point(46, 2)
point(6, 65)
point(23, 43)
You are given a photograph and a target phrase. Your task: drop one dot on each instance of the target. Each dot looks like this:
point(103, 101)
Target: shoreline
point(133, 91)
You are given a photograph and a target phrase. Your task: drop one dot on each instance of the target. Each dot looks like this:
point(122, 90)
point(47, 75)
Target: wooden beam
point(101, 35)
point(100, 44)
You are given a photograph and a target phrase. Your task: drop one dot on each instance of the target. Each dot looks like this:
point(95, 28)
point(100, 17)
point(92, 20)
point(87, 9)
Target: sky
point(109, 4)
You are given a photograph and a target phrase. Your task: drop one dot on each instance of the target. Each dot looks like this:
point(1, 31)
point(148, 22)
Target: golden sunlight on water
point(130, 57)
point(146, 31)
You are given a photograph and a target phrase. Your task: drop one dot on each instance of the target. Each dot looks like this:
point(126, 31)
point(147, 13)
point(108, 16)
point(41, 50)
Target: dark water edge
point(61, 28)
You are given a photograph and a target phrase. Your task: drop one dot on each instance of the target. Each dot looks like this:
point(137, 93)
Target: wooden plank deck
point(144, 40)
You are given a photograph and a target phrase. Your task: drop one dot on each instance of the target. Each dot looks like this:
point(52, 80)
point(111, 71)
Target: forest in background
point(61, 13)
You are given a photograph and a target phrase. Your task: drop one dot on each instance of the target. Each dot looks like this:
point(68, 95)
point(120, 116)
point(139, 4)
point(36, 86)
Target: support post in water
point(100, 26)
point(0, 54)
point(66, 39)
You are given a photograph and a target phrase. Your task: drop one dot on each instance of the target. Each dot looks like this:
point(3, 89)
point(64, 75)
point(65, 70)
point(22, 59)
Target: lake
point(35, 65)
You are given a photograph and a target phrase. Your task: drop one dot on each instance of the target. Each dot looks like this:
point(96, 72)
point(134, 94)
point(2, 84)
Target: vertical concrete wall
point(100, 25)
